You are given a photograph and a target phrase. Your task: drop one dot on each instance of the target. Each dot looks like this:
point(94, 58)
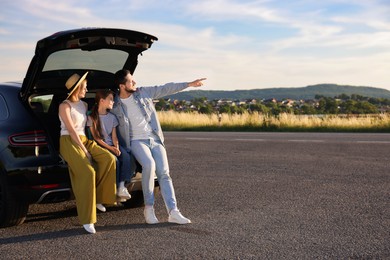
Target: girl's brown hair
point(100, 94)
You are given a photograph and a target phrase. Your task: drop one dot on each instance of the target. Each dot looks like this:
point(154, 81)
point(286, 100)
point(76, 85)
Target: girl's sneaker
point(123, 193)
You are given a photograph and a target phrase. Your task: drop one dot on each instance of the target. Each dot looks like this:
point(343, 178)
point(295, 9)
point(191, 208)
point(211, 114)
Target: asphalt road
point(249, 195)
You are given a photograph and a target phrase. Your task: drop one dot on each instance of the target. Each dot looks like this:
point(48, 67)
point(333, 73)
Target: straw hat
point(73, 82)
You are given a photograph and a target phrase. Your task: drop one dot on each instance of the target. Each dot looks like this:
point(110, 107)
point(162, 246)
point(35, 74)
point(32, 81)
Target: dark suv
point(31, 169)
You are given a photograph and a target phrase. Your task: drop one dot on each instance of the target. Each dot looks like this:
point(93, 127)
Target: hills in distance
point(305, 93)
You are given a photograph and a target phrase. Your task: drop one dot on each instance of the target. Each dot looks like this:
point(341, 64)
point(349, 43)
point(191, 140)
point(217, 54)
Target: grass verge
point(255, 122)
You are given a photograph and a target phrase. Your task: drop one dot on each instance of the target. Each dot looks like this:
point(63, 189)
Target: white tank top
point(78, 114)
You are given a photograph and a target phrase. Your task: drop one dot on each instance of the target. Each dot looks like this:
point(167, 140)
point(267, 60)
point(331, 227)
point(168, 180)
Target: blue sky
point(236, 44)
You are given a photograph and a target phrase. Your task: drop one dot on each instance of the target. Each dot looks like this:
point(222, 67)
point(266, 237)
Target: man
point(140, 132)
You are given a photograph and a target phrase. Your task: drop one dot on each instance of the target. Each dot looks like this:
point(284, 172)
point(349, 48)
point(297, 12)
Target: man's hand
point(196, 83)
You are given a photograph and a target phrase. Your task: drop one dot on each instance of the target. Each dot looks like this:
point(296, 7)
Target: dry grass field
point(175, 121)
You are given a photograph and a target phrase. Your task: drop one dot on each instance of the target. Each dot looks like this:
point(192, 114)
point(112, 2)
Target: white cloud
point(3, 32)
point(345, 48)
point(17, 46)
point(232, 10)
point(66, 12)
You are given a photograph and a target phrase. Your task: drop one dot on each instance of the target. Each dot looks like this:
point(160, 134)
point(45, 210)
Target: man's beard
point(130, 91)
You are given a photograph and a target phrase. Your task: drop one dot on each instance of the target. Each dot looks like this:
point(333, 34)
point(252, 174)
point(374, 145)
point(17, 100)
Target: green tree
point(161, 104)
point(206, 109)
point(225, 109)
point(259, 108)
point(308, 109)
point(328, 105)
point(198, 102)
point(365, 107)
point(348, 106)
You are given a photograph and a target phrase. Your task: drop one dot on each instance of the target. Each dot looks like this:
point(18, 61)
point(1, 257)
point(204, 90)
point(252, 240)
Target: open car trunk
point(99, 51)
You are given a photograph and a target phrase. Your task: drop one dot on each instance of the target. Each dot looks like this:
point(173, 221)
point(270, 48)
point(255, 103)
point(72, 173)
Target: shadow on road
point(71, 212)
point(101, 230)
point(79, 231)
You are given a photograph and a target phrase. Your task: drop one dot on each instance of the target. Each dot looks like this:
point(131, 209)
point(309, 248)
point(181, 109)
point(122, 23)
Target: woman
point(89, 186)
point(103, 129)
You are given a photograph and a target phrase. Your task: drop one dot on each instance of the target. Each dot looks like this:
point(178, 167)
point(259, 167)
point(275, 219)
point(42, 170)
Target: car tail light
point(32, 138)
point(40, 187)
point(46, 186)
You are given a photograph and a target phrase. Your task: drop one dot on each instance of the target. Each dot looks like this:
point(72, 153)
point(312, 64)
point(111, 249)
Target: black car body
point(31, 169)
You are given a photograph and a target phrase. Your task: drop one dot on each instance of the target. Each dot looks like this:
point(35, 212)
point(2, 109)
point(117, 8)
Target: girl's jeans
point(152, 156)
point(124, 166)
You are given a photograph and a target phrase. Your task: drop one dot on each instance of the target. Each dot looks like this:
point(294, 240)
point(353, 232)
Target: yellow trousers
point(90, 185)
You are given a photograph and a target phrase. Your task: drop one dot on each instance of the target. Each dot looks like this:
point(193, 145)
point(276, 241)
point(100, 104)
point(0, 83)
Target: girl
point(103, 129)
point(89, 185)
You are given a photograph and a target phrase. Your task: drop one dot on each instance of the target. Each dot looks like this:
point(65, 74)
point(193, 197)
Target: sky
point(235, 44)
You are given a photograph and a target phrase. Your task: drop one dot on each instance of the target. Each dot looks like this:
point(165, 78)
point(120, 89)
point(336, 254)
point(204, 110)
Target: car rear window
point(41, 103)
point(104, 60)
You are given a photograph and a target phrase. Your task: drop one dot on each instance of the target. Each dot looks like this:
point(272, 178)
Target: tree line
point(341, 104)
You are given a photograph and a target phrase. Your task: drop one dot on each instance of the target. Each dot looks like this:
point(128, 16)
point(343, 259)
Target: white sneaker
point(150, 217)
point(176, 217)
point(101, 207)
point(90, 228)
point(123, 193)
point(119, 199)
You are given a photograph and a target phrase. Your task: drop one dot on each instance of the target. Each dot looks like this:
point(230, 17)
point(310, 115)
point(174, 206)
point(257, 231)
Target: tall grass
point(171, 120)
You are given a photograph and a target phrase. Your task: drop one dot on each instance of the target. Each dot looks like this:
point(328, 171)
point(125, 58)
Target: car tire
point(13, 212)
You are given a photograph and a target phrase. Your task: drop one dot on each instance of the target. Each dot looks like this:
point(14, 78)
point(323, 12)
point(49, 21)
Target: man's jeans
point(152, 156)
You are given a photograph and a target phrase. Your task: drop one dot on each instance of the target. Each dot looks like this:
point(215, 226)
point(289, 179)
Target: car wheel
point(13, 212)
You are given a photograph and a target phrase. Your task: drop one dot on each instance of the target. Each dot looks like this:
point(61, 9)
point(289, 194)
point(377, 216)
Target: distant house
point(288, 102)
point(270, 100)
point(224, 102)
point(238, 102)
point(251, 101)
point(312, 102)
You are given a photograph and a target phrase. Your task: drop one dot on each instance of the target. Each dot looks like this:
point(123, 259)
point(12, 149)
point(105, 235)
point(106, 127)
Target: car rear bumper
point(42, 193)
